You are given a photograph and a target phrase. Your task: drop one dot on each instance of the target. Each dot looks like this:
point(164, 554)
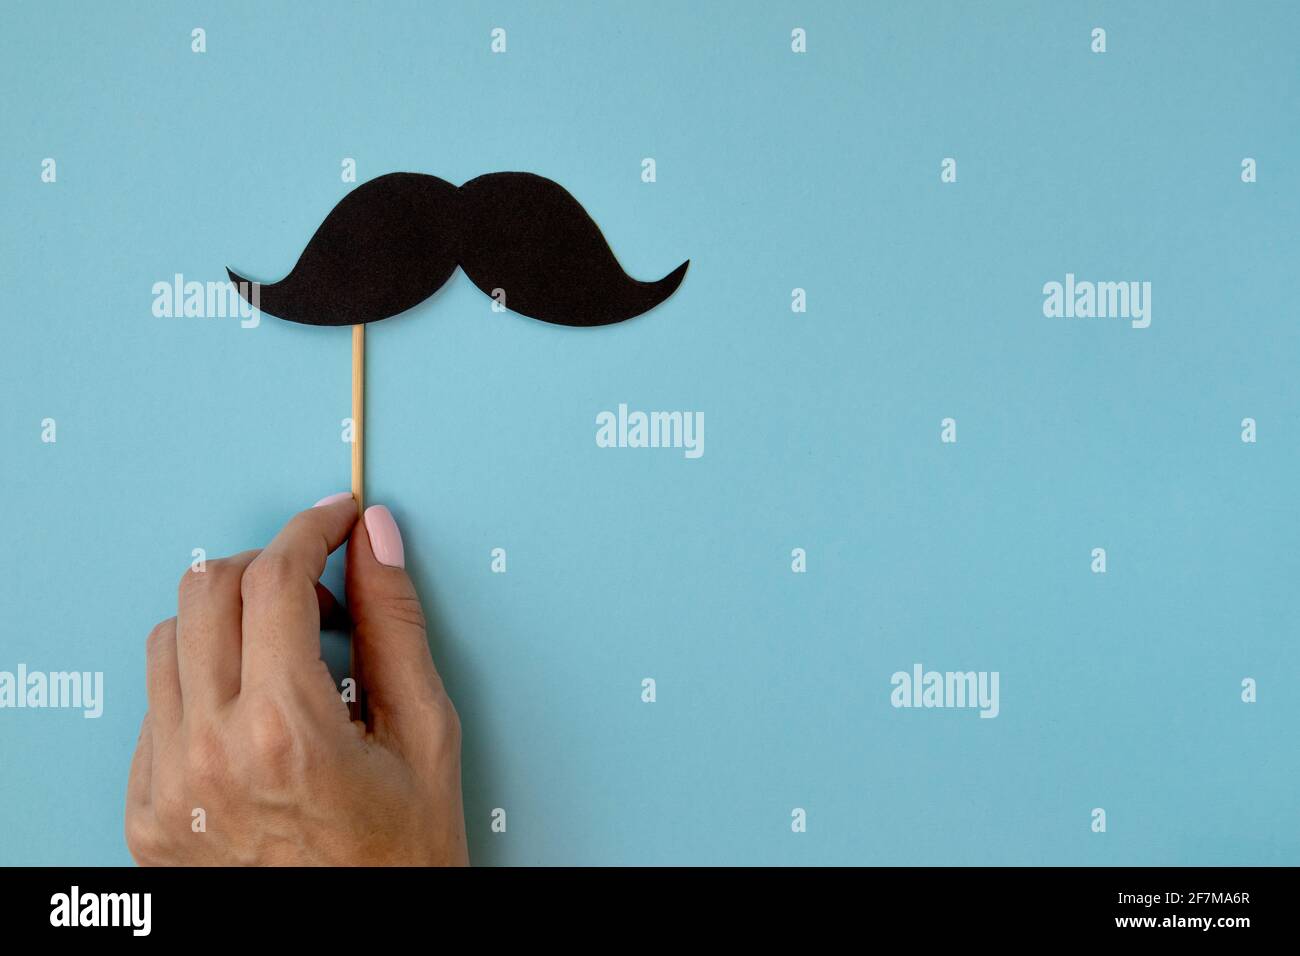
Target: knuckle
point(269, 733)
point(452, 718)
point(171, 805)
point(268, 573)
point(445, 720)
point(193, 583)
point(159, 636)
point(142, 838)
point(206, 760)
point(223, 571)
point(217, 573)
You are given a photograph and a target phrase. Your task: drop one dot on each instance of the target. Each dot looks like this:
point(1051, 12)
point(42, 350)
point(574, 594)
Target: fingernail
point(330, 499)
point(385, 539)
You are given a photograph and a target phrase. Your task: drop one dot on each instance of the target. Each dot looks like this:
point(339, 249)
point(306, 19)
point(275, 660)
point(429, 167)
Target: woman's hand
point(247, 754)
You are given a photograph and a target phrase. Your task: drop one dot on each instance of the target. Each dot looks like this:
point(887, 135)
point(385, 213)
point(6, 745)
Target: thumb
point(391, 645)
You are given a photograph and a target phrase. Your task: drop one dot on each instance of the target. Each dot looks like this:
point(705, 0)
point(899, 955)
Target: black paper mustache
point(393, 241)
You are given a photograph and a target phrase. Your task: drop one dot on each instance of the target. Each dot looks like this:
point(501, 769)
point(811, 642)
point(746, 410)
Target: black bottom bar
point(360, 907)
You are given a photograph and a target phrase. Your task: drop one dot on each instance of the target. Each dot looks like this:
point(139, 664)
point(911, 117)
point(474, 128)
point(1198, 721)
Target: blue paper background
point(775, 171)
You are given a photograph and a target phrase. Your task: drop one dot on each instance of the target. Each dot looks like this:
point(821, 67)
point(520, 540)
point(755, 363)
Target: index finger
point(281, 619)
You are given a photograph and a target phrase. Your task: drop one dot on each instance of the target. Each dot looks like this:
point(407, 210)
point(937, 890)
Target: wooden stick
point(358, 413)
point(357, 708)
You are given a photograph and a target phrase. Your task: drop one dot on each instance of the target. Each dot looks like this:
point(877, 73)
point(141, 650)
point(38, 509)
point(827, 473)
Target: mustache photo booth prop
point(393, 242)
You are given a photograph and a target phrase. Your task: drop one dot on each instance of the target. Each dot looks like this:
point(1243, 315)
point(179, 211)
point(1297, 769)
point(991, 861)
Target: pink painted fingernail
point(385, 539)
point(330, 499)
